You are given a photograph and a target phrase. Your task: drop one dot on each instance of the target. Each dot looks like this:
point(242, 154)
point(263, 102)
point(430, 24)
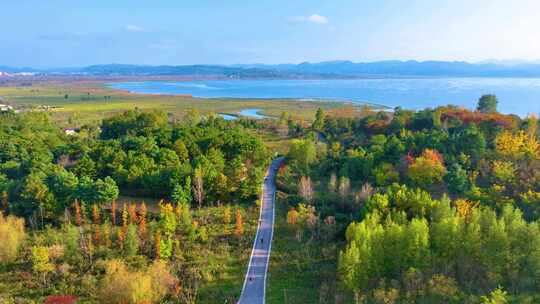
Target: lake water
point(516, 95)
point(250, 113)
point(228, 117)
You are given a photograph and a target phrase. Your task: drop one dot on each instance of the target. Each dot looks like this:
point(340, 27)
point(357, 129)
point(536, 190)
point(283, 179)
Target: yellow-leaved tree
point(41, 263)
point(120, 285)
point(517, 145)
point(12, 236)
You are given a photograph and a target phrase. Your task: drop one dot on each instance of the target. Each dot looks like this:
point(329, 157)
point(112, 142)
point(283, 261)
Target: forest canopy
point(135, 153)
point(437, 205)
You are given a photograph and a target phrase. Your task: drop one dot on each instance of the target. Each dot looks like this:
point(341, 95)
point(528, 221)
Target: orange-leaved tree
point(427, 169)
point(239, 225)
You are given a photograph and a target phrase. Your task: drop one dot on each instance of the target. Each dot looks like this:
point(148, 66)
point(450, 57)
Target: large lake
point(516, 95)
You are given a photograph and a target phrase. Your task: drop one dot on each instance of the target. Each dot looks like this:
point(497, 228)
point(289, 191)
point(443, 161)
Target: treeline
point(480, 156)
point(200, 161)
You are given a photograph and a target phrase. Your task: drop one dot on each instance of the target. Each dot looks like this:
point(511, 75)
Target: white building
point(70, 132)
point(4, 107)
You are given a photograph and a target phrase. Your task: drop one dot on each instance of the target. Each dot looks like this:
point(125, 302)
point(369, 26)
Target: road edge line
point(254, 241)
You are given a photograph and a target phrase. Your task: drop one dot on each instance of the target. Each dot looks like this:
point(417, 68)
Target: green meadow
point(81, 102)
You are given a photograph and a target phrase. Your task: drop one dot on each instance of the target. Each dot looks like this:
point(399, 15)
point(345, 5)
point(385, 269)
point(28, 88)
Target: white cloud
point(134, 28)
point(318, 19)
point(315, 18)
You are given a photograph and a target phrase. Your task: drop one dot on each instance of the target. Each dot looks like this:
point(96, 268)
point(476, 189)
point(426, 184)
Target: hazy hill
point(328, 69)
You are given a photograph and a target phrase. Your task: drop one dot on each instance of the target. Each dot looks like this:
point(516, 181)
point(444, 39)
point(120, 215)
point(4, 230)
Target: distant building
point(4, 108)
point(70, 132)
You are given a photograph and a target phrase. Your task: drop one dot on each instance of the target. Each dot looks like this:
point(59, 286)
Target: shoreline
point(357, 104)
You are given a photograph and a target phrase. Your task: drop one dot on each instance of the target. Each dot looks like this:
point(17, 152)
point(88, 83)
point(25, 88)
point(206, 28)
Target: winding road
point(254, 289)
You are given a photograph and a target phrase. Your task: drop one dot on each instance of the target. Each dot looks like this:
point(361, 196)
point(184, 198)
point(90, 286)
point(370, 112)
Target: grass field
point(86, 102)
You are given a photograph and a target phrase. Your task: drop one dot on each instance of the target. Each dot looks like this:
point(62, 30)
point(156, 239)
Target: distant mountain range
point(328, 69)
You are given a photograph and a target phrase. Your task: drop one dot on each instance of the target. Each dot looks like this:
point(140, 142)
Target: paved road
point(254, 289)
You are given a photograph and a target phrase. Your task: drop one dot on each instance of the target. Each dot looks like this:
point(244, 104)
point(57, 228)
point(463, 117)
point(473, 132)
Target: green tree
point(181, 150)
point(385, 174)
point(133, 122)
point(457, 179)
point(36, 196)
point(360, 262)
point(183, 214)
point(471, 141)
point(72, 250)
point(487, 104)
point(192, 117)
point(40, 262)
point(428, 169)
point(106, 190)
point(182, 193)
point(167, 226)
point(497, 296)
point(99, 191)
point(318, 123)
point(63, 184)
point(352, 275)
point(251, 186)
point(85, 166)
point(302, 154)
point(131, 242)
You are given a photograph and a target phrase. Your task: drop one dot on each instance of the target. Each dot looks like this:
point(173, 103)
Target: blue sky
point(57, 33)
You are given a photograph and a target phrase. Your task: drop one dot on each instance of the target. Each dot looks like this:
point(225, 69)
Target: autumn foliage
point(239, 224)
point(142, 221)
point(113, 212)
point(121, 285)
point(12, 236)
point(427, 169)
point(476, 117)
point(516, 145)
point(60, 300)
point(78, 215)
point(292, 217)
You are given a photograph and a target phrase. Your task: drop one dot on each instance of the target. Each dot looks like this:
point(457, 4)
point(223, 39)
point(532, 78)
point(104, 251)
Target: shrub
point(60, 300)
point(120, 285)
